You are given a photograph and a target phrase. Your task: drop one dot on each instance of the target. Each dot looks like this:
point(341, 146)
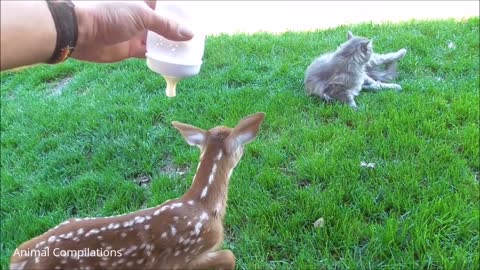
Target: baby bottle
point(175, 60)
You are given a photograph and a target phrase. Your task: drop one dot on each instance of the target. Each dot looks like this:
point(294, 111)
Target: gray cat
point(342, 74)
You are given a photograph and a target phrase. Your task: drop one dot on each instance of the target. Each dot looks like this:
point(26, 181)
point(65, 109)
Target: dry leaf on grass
point(320, 223)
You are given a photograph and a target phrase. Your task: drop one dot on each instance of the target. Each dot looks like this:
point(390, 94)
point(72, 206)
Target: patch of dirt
point(172, 169)
point(142, 179)
point(304, 183)
point(56, 88)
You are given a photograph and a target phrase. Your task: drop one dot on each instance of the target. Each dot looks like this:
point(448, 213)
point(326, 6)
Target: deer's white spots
point(218, 208)
point(103, 229)
point(212, 174)
point(140, 261)
point(190, 202)
point(184, 217)
point(219, 156)
point(175, 218)
point(92, 231)
point(103, 264)
point(176, 205)
point(158, 211)
point(128, 223)
point(130, 264)
point(51, 239)
point(130, 250)
point(173, 230)
point(164, 235)
point(37, 259)
point(69, 235)
point(204, 192)
point(176, 253)
point(198, 227)
point(110, 226)
point(199, 239)
point(186, 249)
point(210, 178)
point(109, 247)
point(189, 223)
point(76, 239)
point(203, 216)
point(64, 261)
point(148, 217)
point(39, 244)
point(99, 237)
point(139, 219)
point(105, 258)
point(147, 226)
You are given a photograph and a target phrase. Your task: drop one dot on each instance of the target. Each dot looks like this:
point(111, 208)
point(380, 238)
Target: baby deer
point(183, 233)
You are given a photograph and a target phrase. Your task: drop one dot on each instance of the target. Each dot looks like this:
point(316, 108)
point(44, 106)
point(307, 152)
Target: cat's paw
point(402, 52)
point(397, 87)
point(353, 105)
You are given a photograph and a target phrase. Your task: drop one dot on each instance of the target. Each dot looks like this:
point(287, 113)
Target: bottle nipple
point(171, 85)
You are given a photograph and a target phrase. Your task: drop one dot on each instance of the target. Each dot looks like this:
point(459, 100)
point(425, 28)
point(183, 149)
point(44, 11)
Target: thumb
point(167, 27)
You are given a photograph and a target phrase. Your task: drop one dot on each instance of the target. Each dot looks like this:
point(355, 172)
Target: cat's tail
point(383, 75)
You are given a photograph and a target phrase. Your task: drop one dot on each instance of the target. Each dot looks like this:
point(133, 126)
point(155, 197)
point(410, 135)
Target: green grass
point(79, 153)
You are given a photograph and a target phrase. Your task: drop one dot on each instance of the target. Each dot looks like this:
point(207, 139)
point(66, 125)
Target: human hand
point(113, 31)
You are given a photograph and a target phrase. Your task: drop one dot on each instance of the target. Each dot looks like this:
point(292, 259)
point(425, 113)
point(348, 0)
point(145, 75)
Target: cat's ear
point(367, 45)
point(349, 35)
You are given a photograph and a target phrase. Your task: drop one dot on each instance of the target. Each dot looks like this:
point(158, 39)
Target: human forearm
point(108, 31)
point(28, 34)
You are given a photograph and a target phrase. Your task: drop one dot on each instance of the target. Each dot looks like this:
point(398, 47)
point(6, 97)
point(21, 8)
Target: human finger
point(167, 27)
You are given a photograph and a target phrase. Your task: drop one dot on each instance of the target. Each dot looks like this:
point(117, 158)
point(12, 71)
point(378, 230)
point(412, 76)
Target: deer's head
point(223, 142)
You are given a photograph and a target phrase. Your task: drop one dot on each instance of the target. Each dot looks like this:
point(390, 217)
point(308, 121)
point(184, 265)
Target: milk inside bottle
point(175, 60)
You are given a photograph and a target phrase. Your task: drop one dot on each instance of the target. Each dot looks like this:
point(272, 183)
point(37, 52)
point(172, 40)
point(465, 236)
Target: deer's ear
point(193, 135)
point(349, 35)
point(245, 131)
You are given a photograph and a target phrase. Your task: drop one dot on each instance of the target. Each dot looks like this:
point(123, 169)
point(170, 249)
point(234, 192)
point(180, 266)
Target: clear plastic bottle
point(176, 60)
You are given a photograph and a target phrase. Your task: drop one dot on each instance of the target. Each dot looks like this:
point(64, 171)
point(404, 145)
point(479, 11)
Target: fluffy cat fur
point(342, 74)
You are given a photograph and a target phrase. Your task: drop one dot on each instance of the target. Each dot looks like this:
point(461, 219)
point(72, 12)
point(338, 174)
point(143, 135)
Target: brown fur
point(183, 233)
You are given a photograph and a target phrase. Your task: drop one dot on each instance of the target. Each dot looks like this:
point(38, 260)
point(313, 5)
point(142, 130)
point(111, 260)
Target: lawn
point(82, 140)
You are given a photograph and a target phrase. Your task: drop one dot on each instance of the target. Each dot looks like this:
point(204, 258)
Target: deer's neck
point(210, 183)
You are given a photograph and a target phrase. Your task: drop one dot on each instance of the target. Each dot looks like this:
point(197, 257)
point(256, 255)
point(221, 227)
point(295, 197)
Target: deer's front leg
point(223, 259)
